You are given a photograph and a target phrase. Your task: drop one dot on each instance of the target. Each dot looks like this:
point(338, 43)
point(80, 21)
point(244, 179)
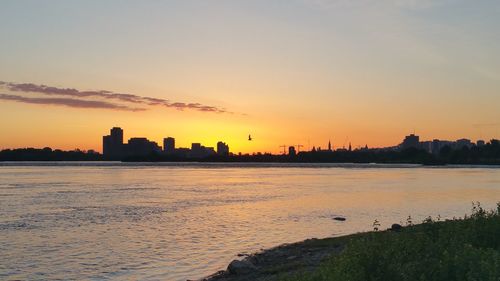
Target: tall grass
point(459, 249)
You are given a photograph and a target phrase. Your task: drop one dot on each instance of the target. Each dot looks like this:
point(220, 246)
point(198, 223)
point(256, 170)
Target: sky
point(288, 72)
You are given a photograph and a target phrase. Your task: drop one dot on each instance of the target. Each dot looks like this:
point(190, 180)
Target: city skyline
point(411, 150)
point(227, 140)
point(115, 148)
point(430, 145)
point(297, 72)
point(116, 139)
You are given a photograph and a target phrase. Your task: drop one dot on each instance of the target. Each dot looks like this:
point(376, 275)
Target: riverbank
point(459, 249)
point(286, 259)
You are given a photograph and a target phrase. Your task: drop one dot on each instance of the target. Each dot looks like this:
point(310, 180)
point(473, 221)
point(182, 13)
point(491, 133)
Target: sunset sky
point(286, 71)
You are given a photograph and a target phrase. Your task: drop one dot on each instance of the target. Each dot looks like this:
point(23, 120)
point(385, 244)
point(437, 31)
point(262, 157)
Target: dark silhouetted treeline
point(488, 154)
point(47, 154)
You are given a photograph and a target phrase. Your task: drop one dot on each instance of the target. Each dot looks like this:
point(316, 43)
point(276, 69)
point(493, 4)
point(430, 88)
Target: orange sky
point(289, 73)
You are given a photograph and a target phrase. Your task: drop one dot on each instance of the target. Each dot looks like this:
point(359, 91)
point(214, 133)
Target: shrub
point(463, 249)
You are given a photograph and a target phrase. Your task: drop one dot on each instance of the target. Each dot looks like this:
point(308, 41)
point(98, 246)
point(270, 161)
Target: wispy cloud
point(69, 102)
point(109, 95)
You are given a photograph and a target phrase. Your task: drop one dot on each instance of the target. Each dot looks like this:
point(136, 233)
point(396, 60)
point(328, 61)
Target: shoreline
point(202, 161)
point(436, 250)
point(286, 259)
point(58, 163)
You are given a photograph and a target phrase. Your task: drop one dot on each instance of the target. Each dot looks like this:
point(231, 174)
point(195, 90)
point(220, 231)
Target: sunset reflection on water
point(172, 222)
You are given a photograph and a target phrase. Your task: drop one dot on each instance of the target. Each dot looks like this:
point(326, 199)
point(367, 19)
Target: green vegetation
point(459, 249)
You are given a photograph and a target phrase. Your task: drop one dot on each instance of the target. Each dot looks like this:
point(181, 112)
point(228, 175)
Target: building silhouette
point(141, 147)
point(200, 151)
point(463, 143)
point(115, 149)
point(169, 146)
point(411, 141)
point(222, 148)
point(434, 147)
point(112, 144)
point(182, 152)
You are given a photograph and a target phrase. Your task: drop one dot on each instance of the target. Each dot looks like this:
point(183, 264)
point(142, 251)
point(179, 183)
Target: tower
point(116, 134)
point(222, 148)
point(112, 144)
point(169, 145)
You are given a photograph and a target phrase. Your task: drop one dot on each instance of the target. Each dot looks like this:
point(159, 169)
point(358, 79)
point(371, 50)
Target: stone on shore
point(339, 218)
point(241, 267)
point(396, 227)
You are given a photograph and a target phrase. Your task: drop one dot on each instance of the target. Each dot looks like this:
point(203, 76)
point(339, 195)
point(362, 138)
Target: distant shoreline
point(488, 154)
point(243, 165)
point(288, 163)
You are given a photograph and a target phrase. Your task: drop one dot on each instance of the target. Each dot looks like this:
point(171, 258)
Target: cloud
point(69, 102)
point(103, 94)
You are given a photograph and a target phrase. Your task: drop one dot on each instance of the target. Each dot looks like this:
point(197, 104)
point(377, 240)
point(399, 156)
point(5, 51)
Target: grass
point(459, 249)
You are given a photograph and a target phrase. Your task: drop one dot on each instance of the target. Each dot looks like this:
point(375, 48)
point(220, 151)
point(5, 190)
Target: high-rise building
point(169, 145)
point(329, 145)
point(200, 151)
point(115, 149)
point(410, 141)
point(117, 135)
point(141, 147)
point(291, 151)
point(196, 147)
point(112, 144)
point(222, 149)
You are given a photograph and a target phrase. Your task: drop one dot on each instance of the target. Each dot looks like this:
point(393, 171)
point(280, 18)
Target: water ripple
point(178, 222)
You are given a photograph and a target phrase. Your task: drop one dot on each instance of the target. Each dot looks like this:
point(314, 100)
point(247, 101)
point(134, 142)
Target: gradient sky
point(287, 72)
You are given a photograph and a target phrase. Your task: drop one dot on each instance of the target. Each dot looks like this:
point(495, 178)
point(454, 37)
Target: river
point(168, 221)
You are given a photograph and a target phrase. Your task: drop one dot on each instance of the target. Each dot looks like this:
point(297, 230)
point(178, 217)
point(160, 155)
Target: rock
point(255, 259)
point(396, 227)
point(241, 267)
point(339, 218)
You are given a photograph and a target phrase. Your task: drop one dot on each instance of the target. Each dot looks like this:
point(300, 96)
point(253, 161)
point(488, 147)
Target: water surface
point(177, 221)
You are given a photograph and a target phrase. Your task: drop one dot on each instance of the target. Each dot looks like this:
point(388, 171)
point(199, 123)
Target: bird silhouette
point(249, 137)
